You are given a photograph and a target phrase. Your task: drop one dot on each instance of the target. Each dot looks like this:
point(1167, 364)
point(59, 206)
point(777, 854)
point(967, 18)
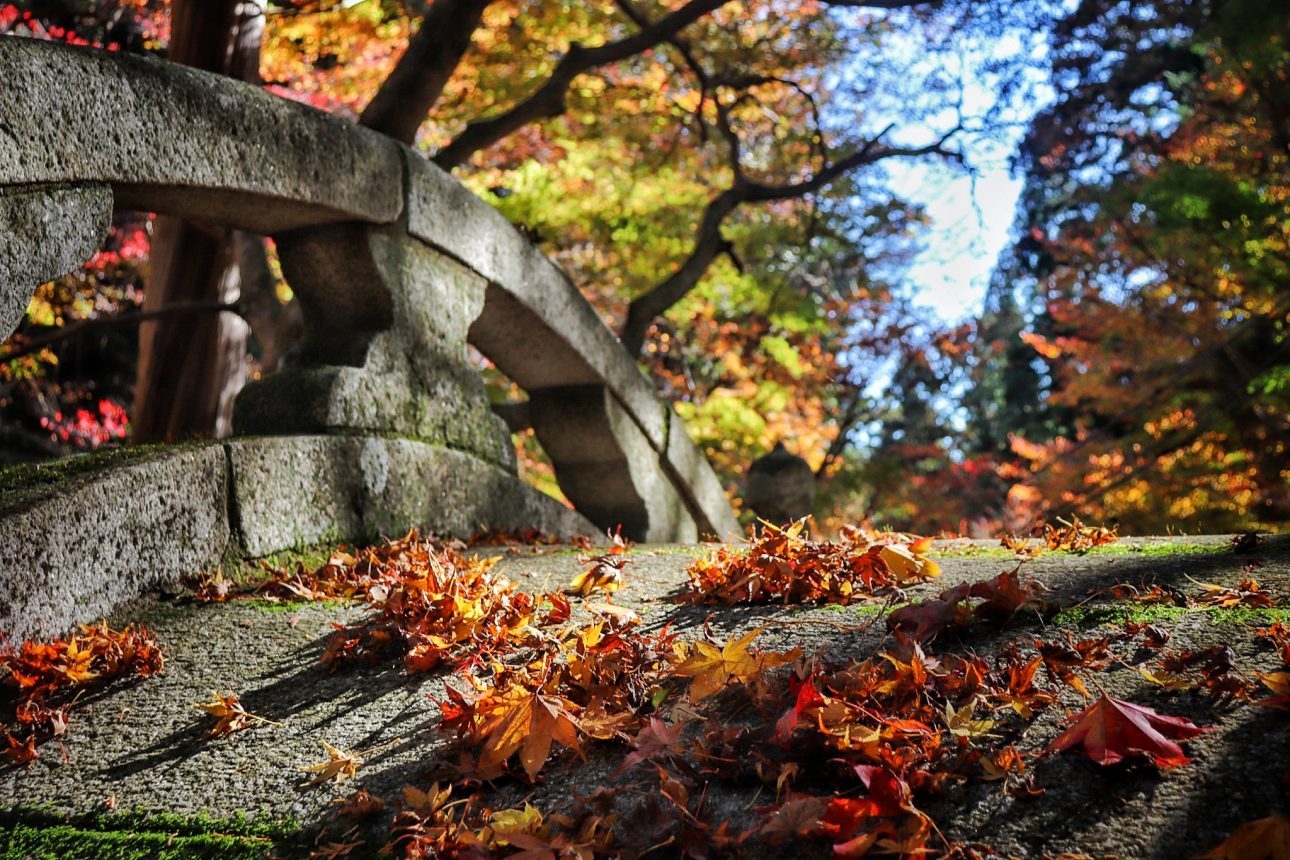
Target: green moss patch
point(28, 833)
point(18, 481)
point(1118, 614)
point(1151, 550)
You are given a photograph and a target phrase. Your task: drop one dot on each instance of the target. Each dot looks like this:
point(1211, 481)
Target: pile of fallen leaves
point(42, 681)
point(1000, 599)
point(431, 604)
point(1075, 536)
point(844, 753)
point(783, 565)
point(343, 578)
point(1066, 536)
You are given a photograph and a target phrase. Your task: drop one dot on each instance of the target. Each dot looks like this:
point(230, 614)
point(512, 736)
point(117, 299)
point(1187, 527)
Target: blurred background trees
point(717, 178)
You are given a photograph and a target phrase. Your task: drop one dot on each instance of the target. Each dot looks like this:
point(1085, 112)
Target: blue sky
point(971, 221)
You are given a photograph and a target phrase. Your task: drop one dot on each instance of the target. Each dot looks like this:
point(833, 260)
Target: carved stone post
point(385, 345)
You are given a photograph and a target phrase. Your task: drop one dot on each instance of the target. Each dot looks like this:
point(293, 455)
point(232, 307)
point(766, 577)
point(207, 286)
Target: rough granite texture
point(74, 551)
point(180, 141)
point(44, 233)
point(607, 466)
point(385, 349)
point(298, 491)
point(140, 742)
point(387, 317)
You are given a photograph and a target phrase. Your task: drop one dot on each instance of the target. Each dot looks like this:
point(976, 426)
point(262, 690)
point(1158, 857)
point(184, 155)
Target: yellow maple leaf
point(710, 668)
point(340, 765)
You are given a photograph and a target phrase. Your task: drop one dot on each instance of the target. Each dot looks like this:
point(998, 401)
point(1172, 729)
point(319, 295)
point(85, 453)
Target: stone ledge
point(115, 525)
point(73, 551)
point(187, 143)
point(294, 491)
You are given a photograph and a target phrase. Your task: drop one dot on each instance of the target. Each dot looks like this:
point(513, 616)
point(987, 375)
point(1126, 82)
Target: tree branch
point(79, 327)
point(407, 96)
point(709, 242)
point(549, 99)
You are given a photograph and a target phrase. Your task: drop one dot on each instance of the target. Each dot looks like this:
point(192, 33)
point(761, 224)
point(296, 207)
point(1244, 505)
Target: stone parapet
point(395, 264)
point(80, 538)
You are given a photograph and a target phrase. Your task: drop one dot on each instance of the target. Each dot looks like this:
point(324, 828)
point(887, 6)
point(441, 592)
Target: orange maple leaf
point(1264, 839)
point(527, 722)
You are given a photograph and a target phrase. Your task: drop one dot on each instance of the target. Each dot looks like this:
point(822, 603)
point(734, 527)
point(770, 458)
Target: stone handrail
point(396, 265)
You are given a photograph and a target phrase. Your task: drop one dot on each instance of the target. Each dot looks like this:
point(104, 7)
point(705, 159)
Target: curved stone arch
point(395, 263)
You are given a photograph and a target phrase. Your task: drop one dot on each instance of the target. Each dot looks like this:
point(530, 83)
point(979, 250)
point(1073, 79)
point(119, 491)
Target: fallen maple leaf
point(710, 668)
point(656, 738)
point(798, 817)
point(1006, 595)
point(1264, 839)
point(1111, 729)
point(1247, 593)
point(928, 618)
point(1075, 536)
point(1279, 683)
point(605, 574)
point(230, 716)
point(340, 765)
point(527, 722)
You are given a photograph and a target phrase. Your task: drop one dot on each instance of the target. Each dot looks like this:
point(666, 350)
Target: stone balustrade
point(382, 420)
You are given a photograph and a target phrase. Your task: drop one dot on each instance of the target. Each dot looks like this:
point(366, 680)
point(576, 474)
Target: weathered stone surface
point(535, 325)
point(73, 551)
point(44, 233)
point(141, 742)
point(694, 478)
point(540, 331)
point(385, 350)
point(172, 139)
point(606, 465)
point(298, 491)
point(386, 316)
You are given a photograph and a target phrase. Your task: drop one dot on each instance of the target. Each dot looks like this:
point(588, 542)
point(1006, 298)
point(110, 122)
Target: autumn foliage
point(43, 680)
point(784, 565)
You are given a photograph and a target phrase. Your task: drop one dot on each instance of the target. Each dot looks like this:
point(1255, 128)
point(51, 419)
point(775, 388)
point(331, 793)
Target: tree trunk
point(191, 367)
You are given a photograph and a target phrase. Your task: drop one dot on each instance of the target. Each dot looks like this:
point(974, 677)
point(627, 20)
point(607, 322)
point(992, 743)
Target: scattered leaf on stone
point(711, 668)
point(1248, 593)
point(229, 715)
point(1020, 546)
point(340, 765)
point(1278, 683)
point(604, 574)
point(1110, 730)
point(1153, 596)
point(1264, 839)
point(1214, 668)
point(927, 619)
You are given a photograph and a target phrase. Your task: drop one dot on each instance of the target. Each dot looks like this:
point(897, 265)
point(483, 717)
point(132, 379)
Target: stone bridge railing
point(382, 423)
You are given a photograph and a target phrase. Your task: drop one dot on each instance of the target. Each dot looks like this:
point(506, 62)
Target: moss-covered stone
point(17, 482)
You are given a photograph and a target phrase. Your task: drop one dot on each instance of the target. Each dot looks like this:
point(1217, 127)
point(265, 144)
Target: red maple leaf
point(1111, 729)
point(927, 618)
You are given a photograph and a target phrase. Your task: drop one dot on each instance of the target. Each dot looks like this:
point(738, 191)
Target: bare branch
point(709, 243)
point(549, 99)
point(407, 96)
